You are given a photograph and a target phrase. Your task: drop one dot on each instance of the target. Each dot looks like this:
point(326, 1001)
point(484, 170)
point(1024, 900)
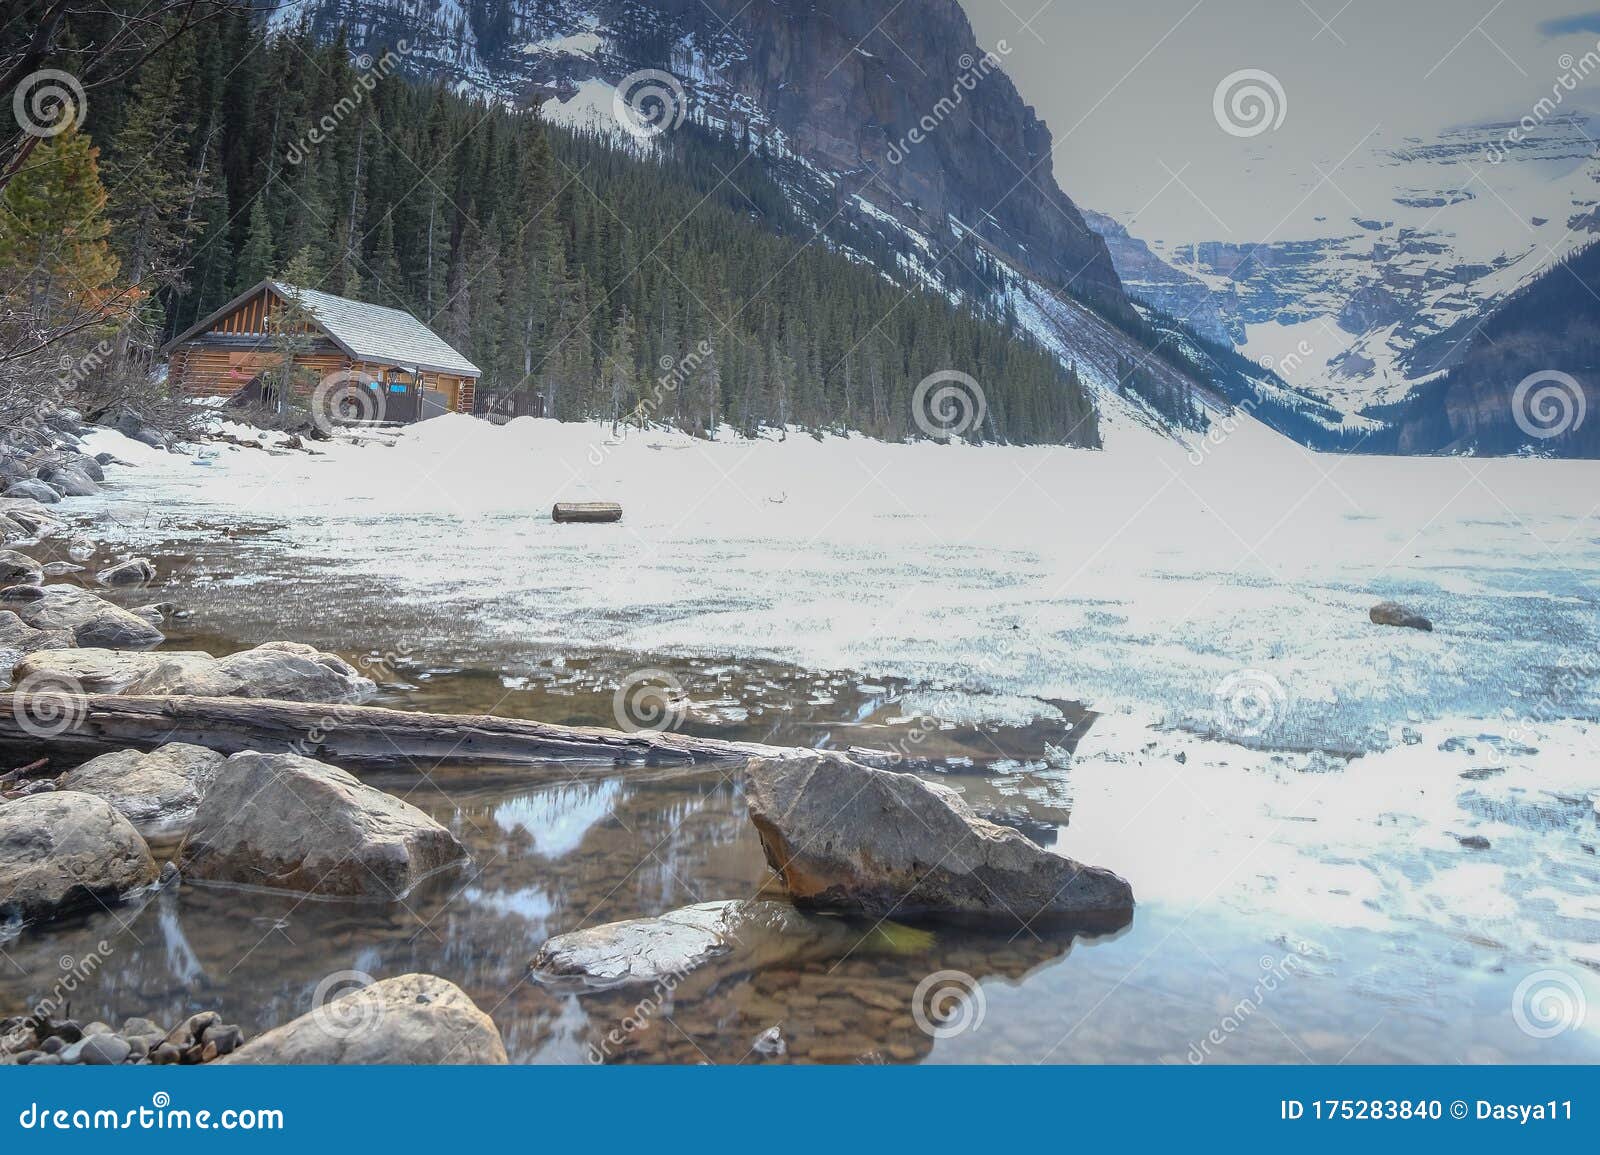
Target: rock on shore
point(19, 569)
point(290, 823)
point(91, 620)
point(412, 1019)
point(157, 792)
point(64, 850)
point(847, 837)
point(97, 670)
point(283, 670)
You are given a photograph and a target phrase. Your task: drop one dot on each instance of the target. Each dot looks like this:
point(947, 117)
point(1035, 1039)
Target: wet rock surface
point(64, 850)
point(741, 934)
point(39, 1041)
point(157, 792)
point(135, 571)
point(411, 1019)
point(847, 837)
point(290, 823)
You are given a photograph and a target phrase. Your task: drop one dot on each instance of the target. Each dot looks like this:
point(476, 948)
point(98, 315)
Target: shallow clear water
point(1219, 979)
point(1400, 865)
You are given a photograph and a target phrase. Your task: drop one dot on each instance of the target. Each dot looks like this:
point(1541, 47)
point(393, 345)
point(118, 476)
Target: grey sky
point(1127, 88)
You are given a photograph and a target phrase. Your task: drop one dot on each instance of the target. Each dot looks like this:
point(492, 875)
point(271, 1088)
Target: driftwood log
point(86, 725)
point(586, 511)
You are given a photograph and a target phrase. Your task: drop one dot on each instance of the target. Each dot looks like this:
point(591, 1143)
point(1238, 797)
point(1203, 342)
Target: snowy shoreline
point(1129, 579)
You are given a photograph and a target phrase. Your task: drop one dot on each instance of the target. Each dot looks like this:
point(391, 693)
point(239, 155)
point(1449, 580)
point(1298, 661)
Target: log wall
point(203, 369)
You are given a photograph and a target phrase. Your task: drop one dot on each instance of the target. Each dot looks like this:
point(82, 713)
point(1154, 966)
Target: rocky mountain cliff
point(891, 102)
point(1148, 278)
point(896, 140)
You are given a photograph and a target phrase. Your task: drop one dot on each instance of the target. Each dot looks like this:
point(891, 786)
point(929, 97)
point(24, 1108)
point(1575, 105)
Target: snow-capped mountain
point(1148, 278)
point(1360, 309)
point(899, 139)
point(892, 101)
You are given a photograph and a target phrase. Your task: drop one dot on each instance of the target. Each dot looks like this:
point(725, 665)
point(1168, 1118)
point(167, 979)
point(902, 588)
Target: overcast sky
point(1127, 88)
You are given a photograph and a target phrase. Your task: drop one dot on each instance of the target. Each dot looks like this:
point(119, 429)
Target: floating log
point(86, 725)
point(586, 511)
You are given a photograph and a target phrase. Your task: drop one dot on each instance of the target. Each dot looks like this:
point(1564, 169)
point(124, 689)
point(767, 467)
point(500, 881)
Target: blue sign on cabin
point(397, 388)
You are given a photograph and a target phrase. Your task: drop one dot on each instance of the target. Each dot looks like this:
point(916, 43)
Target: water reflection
point(557, 819)
point(553, 852)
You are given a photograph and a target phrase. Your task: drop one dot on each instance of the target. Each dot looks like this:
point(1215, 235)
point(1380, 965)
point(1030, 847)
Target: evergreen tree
point(618, 370)
point(55, 260)
point(256, 258)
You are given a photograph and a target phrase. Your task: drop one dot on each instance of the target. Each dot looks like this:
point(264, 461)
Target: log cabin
point(412, 372)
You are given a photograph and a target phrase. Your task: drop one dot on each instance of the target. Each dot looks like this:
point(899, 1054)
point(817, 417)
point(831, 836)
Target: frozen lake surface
point(1413, 814)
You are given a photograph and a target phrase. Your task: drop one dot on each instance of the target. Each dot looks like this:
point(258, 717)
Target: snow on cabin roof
point(376, 333)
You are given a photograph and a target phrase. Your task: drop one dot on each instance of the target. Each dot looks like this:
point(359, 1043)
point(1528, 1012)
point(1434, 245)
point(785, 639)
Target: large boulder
point(18, 635)
point(44, 462)
point(743, 934)
point(136, 571)
point(68, 480)
point(291, 823)
point(413, 1019)
point(157, 792)
point(846, 837)
point(1395, 614)
point(34, 520)
point(12, 530)
point(62, 850)
point(99, 671)
point(19, 568)
point(130, 424)
point(91, 620)
point(32, 489)
point(287, 671)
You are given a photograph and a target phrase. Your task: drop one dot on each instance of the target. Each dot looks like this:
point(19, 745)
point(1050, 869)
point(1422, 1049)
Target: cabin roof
point(364, 331)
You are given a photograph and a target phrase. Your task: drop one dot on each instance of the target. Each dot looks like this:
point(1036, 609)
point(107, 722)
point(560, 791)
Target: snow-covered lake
point(1265, 760)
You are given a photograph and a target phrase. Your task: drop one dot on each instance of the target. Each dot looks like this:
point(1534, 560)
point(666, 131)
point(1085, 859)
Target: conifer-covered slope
point(588, 276)
point(710, 275)
point(1527, 381)
point(891, 100)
